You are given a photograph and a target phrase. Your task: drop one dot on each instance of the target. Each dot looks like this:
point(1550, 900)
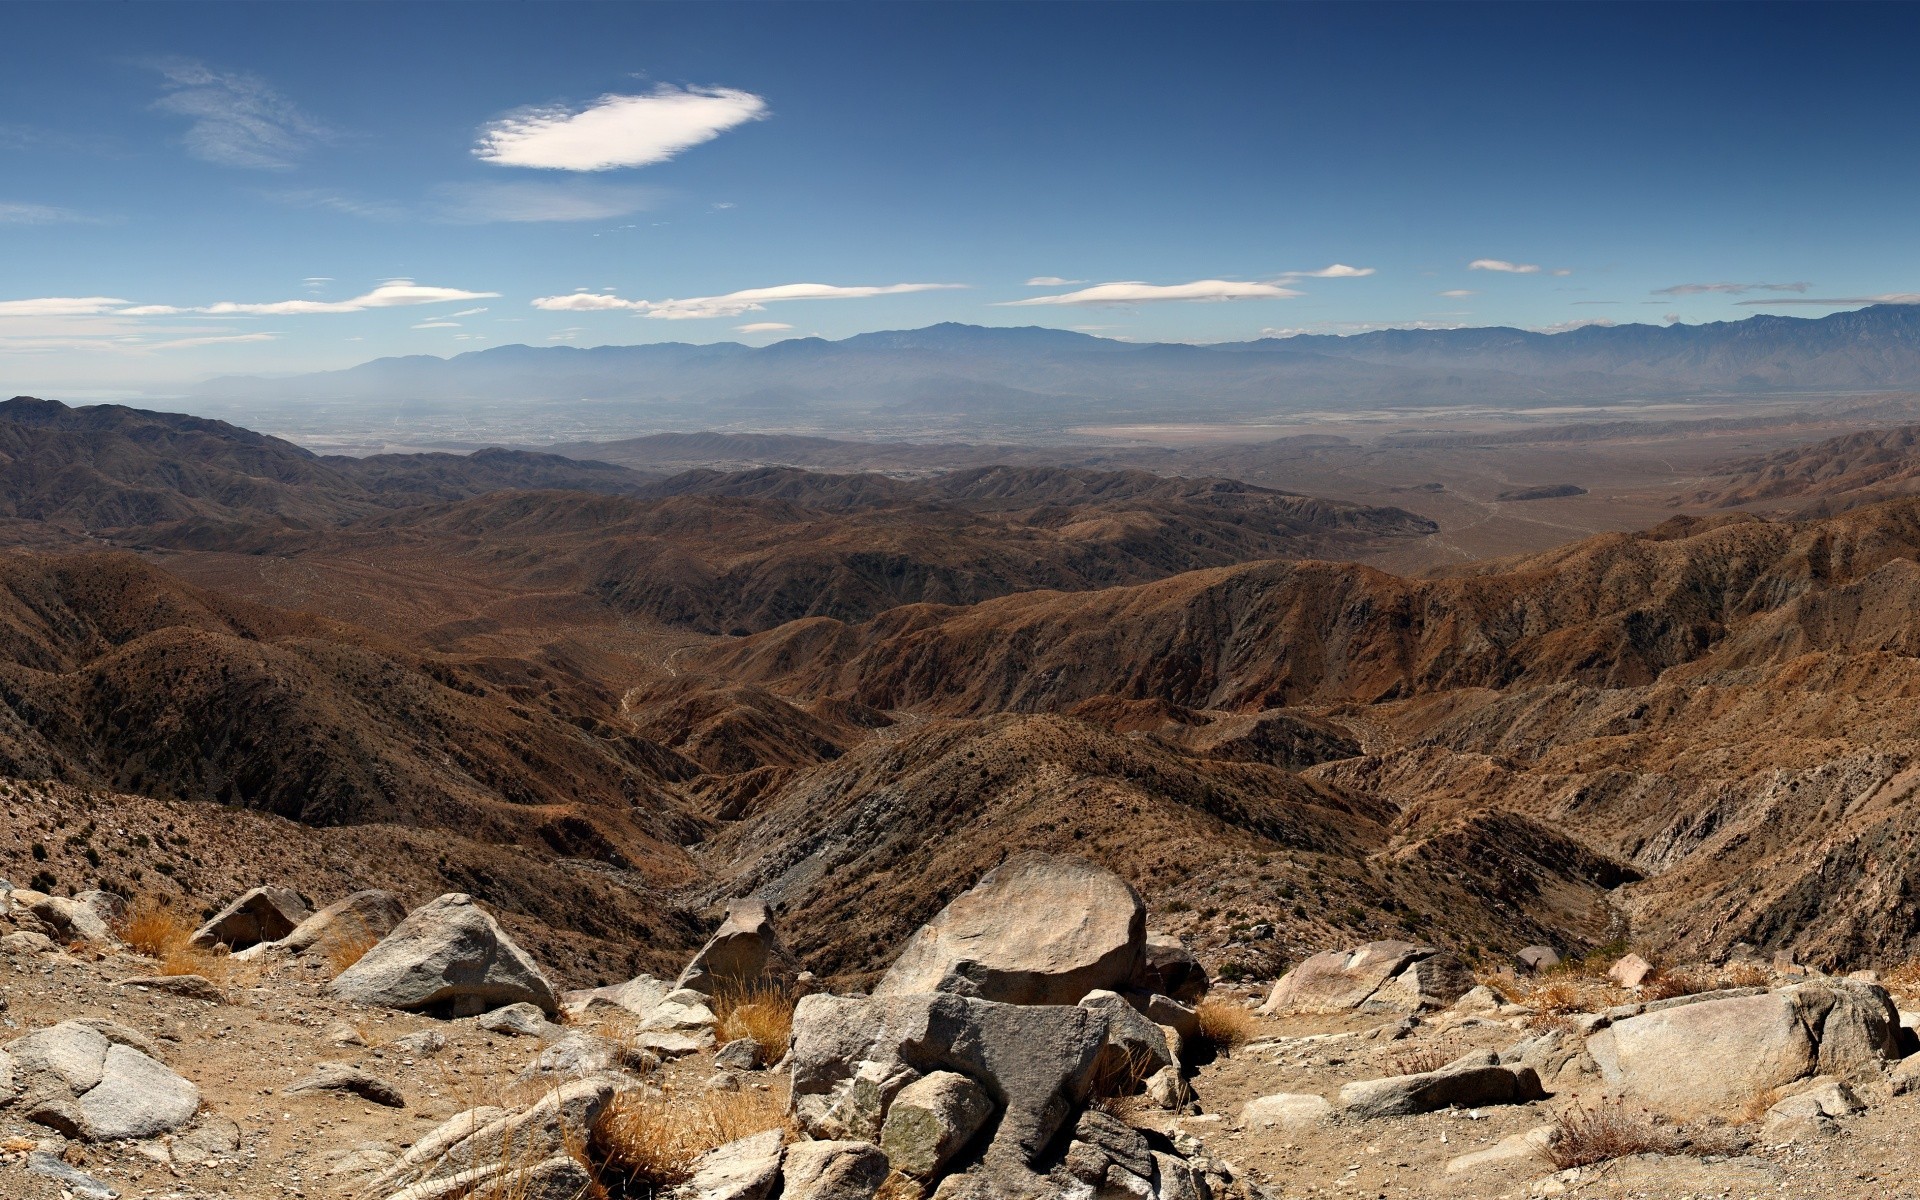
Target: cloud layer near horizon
point(733, 304)
point(1135, 292)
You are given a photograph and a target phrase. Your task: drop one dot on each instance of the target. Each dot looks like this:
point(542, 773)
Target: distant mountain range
point(958, 377)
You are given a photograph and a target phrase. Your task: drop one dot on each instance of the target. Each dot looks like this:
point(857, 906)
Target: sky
point(195, 190)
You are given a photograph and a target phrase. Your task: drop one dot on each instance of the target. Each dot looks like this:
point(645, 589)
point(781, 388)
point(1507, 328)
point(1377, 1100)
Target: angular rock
point(263, 914)
point(1856, 1024)
point(742, 1054)
point(1291, 1111)
point(340, 1077)
point(372, 913)
point(1168, 967)
point(1811, 1110)
point(69, 920)
point(7, 1088)
point(931, 1120)
point(1165, 1010)
point(1521, 1147)
point(446, 954)
point(1426, 983)
point(832, 1171)
point(137, 1097)
point(1118, 1142)
point(425, 1043)
point(470, 1140)
point(110, 908)
point(193, 987)
point(747, 1169)
point(1035, 1061)
point(1174, 1179)
point(73, 1054)
point(1135, 1047)
point(1336, 981)
point(1706, 1058)
point(520, 1020)
point(743, 953)
point(680, 1012)
point(1167, 1089)
point(1038, 929)
point(1536, 960)
point(1481, 999)
point(28, 942)
point(1629, 971)
point(668, 1043)
point(74, 1180)
point(636, 997)
point(1472, 1080)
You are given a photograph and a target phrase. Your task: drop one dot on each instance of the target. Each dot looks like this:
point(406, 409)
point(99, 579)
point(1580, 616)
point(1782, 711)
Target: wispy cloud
point(470, 312)
point(1459, 293)
point(1837, 301)
point(41, 214)
point(764, 327)
point(340, 202)
point(617, 131)
point(236, 119)
point(1336, 271)
point(60, 306)
point(530, 201)
point(1502, 265)
point(213, 340)
point(1134, 292)
point(397, 293)
point(437, 325)
point(1052, 281)
point(733, 304)
point(315, 283)
point(1728, 289)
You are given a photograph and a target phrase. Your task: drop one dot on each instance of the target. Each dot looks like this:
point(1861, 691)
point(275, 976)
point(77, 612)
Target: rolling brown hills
point(1829, 476)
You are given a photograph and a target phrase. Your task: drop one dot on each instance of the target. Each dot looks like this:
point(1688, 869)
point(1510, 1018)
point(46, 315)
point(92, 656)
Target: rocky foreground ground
point(1032, 1040)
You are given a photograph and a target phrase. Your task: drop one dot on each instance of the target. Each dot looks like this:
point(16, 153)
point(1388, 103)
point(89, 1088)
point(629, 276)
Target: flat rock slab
point(339, 1077)
point(137, 1097)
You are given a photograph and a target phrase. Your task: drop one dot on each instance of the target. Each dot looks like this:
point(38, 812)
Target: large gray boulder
point(69, 920)
point(1038, 929)
point(742, 953)
point(264, 914)
point(447, 954)
point(1714, 1056)
point(370, 913)
point(1035, 1061)
point(1385, 976)
point(1472, 1080)
point(747, 1169)
point(832, 1171)
point(87, 1081)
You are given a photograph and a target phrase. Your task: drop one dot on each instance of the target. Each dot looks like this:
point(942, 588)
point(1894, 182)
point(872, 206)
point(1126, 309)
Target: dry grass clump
point(1225, 1024)
point(1417, 1062)
point(155, 929)
point(1755, 1109)
point(1748, 974)
point(348, 948)
point(1904, 980)
point(1606, 1131)
point(1664, 984)
point(1118, 1074)
point(653, 1139)
point(1564, 996)
point(761, 1012)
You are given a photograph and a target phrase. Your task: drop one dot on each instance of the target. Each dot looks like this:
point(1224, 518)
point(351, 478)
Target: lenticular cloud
point(617, 131)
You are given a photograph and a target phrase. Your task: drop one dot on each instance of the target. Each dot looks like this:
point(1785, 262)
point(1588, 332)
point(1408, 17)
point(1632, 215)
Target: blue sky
point(191, 190)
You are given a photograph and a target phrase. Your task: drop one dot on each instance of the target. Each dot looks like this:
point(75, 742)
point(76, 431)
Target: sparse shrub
point(39, 852)
point(1665, 984)
point(1225, 1025)
point(1418, 1062)
point(1609, 1130)
point(43, 881)
point(762, 1012)
point(347, 948)
point(1117, 1075)
point(155, 929)
point(1747, 975)
point(651, 1139)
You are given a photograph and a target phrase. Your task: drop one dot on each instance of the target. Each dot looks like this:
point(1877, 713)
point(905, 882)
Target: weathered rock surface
point(1383, 976)
point(832, 1171)
point(636, 997)
point(1135, 1047)
point(341, 1077)
point(931, 1120)
point(69, 920)
point(449, 953)
point(263, 914)
point(1168, 967)
point(521, 1020)
point(1534, 960)
point(371, 913)
point(1287, 1110)
point(748, 1169)
point(193, 987)
point(1630, 970)
point(1035, 1061)
point(1473, 1079)
point(481, 1138)
point(742, 953)
point(1038, 929)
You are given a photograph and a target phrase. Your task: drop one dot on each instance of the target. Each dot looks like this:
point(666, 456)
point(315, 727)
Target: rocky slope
point(1830, 476)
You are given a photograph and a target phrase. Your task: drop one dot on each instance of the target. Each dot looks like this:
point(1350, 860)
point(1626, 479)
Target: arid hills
point(614, 697)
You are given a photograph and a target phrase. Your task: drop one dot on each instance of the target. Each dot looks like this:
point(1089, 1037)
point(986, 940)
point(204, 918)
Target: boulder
point(1135, 1047)
point(1480, 999)
point(264, 914)
point(741, 1054)
point(1536, 960)
point(1165, 1010)
point(520, 1020)
point(371, 914)
point(1036, 1062)
point(682, 1011)
point(1709, 1057)
point(832, 1171)
point(109, 907)
point(449, 954)
point(1369, 979)
point(741, 954)
point(931, 1120)
point(340, 1077)
point(1469, 1081)
point(747, 1169)
point(485, 1137)
point(1169, 968)
point(636, 997)
point(1038, 929)
point(1629, 971)
point(137, 1097)
point(7, 1087)
point(1291, 1111)
point(1856, 1024)
point(69, 920)
point(1811, 1110)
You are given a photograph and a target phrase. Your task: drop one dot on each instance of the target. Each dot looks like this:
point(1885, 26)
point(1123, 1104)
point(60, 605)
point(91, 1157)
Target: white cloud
point(470, 312)
point(1498, 264)
point(1839, 301)
point(236, 119)
point(1728, 289)
point(221, 339)
point(617, 131)
point(764, 327)
point(438, 325)
point(352, 206)
point(1673, 318)
point(1336, 271)
point(397, 294)
point(528, 201)
point(733, 304)
point(59, 306)
point(1134, 292)
point(40, 214)
point(1563, 272)
point(314, 283)
point(1569, 326)
point(1052, 281)
point(1458, 293)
